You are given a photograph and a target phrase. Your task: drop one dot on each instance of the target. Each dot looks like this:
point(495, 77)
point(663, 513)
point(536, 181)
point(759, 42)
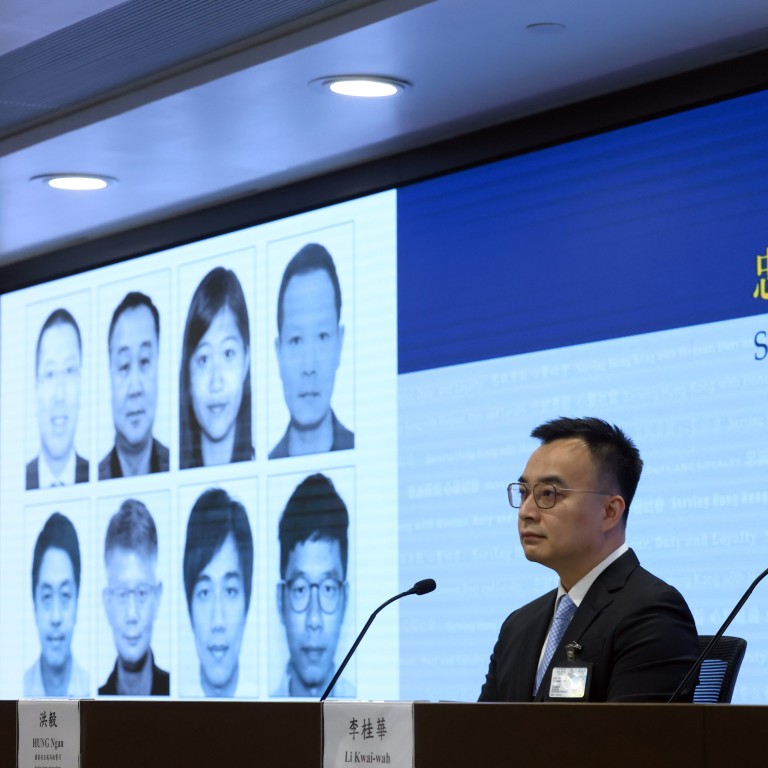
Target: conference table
point(201, 734)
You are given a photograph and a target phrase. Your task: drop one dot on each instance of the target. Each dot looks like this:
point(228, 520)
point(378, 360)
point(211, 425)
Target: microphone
point(422, 587)
point(419, 588)
point(717, 636)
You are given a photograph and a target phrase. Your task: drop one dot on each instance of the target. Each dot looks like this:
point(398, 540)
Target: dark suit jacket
point(161, 682)
point(343, 440)
point(33, 473)
point(109, 466)
point(635, 629)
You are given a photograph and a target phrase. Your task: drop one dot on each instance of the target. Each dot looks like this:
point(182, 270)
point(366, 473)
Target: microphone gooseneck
point(419, 588)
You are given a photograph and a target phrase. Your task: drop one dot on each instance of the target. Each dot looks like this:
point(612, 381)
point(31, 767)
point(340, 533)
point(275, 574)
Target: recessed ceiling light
point(546, 27)
point(363, 86)
point(79, 182)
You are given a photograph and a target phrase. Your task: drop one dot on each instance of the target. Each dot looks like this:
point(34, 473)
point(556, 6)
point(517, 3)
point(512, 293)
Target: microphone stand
point(420, 588)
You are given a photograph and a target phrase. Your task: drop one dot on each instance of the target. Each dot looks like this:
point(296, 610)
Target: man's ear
point(613, 512)
point(344, 599)
point(340, 345)
point(280, 605)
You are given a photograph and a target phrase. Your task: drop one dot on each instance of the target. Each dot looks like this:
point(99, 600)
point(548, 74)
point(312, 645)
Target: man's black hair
point(58, 533)
point(309, 259)
point(314, 512)
point(613, 451)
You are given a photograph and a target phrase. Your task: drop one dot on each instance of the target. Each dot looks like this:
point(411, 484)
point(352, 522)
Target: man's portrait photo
point(134, 348)
point(131, 600)
point(58, 364)
point(313, 591)
point(56, 569)
point(218, 576)
point(310, 337)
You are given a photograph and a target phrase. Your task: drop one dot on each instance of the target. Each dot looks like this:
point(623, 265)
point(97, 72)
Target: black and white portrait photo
point(56, 588)
point(308, 348)
point(137, 383)
point(132, 597)
point(313, 586)
point(58, 384)
point(219, 604)
point(215, 399)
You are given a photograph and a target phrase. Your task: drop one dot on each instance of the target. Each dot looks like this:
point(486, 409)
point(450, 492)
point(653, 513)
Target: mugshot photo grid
point(138, 375)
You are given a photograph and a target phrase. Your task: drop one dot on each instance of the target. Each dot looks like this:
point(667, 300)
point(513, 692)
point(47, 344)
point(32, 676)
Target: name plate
point(367, 733)
point(49, 733)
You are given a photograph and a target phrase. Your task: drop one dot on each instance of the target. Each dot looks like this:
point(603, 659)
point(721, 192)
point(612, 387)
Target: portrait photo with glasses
point(313, 591)
point(132, 598)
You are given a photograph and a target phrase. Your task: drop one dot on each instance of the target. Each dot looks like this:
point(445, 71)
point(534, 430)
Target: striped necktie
point(563, 615)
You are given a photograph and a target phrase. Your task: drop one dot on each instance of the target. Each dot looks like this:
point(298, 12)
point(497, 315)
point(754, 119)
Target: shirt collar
point(579, 590)
point(48, 479)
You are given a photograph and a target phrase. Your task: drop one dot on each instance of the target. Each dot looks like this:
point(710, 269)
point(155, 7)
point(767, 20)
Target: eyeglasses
point(142, 593)
point(544, 494)
point(300, 589)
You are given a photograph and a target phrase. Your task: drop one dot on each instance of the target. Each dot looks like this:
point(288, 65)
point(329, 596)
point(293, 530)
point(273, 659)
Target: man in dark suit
point(58, 359)
point(611, 631)
point(134, 348)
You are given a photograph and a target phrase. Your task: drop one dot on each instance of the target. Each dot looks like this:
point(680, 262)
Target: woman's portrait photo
point(215, 376)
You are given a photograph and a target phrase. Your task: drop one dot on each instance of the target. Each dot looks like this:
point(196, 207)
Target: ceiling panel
point(222, 125)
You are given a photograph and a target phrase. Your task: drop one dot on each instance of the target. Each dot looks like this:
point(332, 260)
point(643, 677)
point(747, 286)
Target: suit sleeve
point(654, 647)
point(489, 691)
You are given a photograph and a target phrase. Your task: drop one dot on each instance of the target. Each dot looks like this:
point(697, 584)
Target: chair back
point(717, 676)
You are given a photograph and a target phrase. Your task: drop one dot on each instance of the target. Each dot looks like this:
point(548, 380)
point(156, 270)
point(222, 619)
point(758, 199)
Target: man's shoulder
point(110, 687)
point(32, 475)
point(81, 469)
point(649, 582)
point(105, 465)
point(280, 451)
point(343, 690)
point(79, 682)
point(161, 681)
point(33, 680)
point(626, 570)
point(161, 457)
point(633, 589)
point(343, 438)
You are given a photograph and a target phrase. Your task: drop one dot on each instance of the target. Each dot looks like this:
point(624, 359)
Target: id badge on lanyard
point(571, 681)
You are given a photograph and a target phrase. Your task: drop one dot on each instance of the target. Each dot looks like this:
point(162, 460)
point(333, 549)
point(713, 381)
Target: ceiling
point(189, 103)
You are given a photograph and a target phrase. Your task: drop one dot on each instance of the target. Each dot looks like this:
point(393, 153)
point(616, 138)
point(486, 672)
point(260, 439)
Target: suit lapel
point(599, 596)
